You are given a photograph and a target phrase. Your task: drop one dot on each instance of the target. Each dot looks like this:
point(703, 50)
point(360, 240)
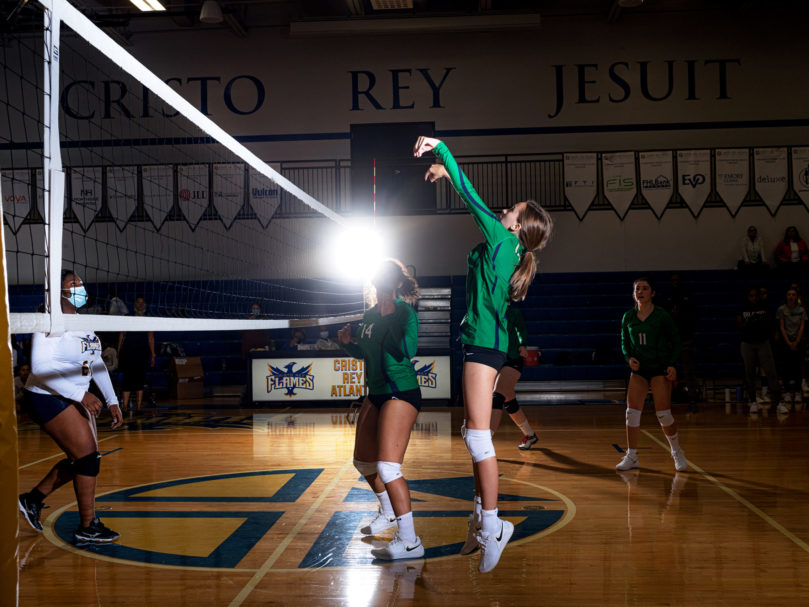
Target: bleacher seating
point(569, 317)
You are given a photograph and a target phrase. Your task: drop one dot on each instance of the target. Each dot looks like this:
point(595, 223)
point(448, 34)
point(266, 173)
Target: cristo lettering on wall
point(626, 79)
point(106, 99)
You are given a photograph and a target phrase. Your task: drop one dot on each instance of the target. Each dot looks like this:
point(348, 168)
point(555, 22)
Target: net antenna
point(160, 201)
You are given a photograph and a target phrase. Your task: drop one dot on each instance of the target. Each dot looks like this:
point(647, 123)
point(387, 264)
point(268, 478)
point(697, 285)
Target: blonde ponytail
point(536, 226)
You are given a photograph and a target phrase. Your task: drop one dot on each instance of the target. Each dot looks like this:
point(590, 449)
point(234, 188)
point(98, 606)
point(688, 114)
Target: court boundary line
point(60, 454)
point(282, 546)
point(749, 505)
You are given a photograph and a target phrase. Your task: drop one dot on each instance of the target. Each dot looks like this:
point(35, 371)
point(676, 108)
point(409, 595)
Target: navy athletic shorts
point(484, 356)
point(409, 396)
point(42, 408)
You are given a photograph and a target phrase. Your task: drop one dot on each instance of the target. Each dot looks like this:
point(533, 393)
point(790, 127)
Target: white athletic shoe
point(471, 543)
point(680, 463)
point(379, 524)
point(628, 462)
point(782, 408)
point(492, 546)
point(399, 549)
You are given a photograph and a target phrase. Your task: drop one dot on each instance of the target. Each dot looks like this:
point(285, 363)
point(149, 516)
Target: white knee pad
point(479, 444)
point(633, 417)
point(365, 468)
point(389, 471)
point(665, 418)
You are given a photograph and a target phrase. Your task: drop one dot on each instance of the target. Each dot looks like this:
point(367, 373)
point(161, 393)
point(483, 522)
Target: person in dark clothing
point(757, 326)
point(135, 354)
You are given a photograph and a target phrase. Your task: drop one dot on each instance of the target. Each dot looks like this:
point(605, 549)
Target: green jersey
point(655, 341)
point(387, 343)
point(516, 332)
point(491, 264)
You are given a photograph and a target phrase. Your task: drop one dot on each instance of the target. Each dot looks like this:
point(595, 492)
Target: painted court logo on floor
point(230, 521)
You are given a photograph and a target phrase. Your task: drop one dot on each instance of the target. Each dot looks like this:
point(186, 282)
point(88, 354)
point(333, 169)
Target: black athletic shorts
point(42, 408)
point(515, 363)
point(409, 396)
point(484, 356)
point(648, 374)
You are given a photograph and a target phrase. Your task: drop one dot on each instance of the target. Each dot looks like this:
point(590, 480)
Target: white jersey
point(64, 365)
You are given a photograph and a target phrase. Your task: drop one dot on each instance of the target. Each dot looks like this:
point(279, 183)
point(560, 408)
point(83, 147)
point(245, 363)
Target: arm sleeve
point(353, 349)
point(626, 341)
point(519, 326)
point(43, 351)
point(487, 221)
point(410, 339)
point(101, 377)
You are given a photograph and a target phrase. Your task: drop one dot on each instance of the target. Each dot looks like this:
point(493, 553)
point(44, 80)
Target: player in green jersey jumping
point(500, 268)
point(651, 346)
point(387, 339)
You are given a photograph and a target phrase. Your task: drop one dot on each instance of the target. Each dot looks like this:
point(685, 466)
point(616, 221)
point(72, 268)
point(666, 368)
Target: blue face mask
point(78, 296)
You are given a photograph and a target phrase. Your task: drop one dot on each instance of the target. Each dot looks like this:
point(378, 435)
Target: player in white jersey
point(57, 397)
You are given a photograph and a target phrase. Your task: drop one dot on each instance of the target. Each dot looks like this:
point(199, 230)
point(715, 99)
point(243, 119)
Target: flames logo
point(290, 379)
point(425, 375)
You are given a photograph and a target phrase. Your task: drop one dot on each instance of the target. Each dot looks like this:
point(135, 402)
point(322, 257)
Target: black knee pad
point(89, 465)
point(498, 400)
point(512, 406)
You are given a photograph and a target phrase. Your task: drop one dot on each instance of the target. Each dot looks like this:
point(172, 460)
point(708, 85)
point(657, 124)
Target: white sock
point(384, 502)
point(490, 524)
point(407, 531)
point(478, 507)
point(632, 452)
point(526, 428)
point(674, 441)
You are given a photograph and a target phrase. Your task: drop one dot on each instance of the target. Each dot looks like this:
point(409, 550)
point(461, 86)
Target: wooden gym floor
point(245, 507)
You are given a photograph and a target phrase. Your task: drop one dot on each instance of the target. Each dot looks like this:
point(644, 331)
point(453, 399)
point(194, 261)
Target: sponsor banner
point(800, 173)
point(228, 191)
point(581, 174)
point(656, 179)
point(301, 378)
point(15, 187)
point(158, 192)
point(620, 186)
point(264, 195)
point(733, 177)
point(771, 175)
point(122, 193)
point(193, 191)
point(694, 170)
point(85, 194)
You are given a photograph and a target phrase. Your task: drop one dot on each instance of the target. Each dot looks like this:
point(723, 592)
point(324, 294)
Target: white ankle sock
point(632, 452)
point(526, 428)
point(406, 529)
point(384, 501)
point(490, 523)
point(674, 441)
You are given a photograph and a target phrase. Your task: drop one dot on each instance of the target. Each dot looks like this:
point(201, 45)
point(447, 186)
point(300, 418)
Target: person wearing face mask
point(325, 342)
point(135, 355)
point(57, 397)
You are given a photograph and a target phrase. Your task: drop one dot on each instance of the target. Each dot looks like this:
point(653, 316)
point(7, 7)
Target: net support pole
point(53, 174)
point(9, 533)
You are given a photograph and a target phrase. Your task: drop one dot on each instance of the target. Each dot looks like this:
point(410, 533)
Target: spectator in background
point(753, 256)
point(791, 254)
point(117, 305)
point(325, 342)
point(135, 354)
point(683, 310)
point(258, 339)
point(756, 325)
point(23, 372)
point(297, 338)
point(791, 323)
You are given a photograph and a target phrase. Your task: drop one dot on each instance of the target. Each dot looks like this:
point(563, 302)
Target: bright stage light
point(357, 252)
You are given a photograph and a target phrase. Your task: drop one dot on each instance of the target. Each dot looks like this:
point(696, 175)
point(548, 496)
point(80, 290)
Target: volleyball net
point(107, 171)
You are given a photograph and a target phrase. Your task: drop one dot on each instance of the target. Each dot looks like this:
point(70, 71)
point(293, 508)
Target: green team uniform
point(516, 333)
point(387, 343)
point(491, 264)
point(655, 341)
